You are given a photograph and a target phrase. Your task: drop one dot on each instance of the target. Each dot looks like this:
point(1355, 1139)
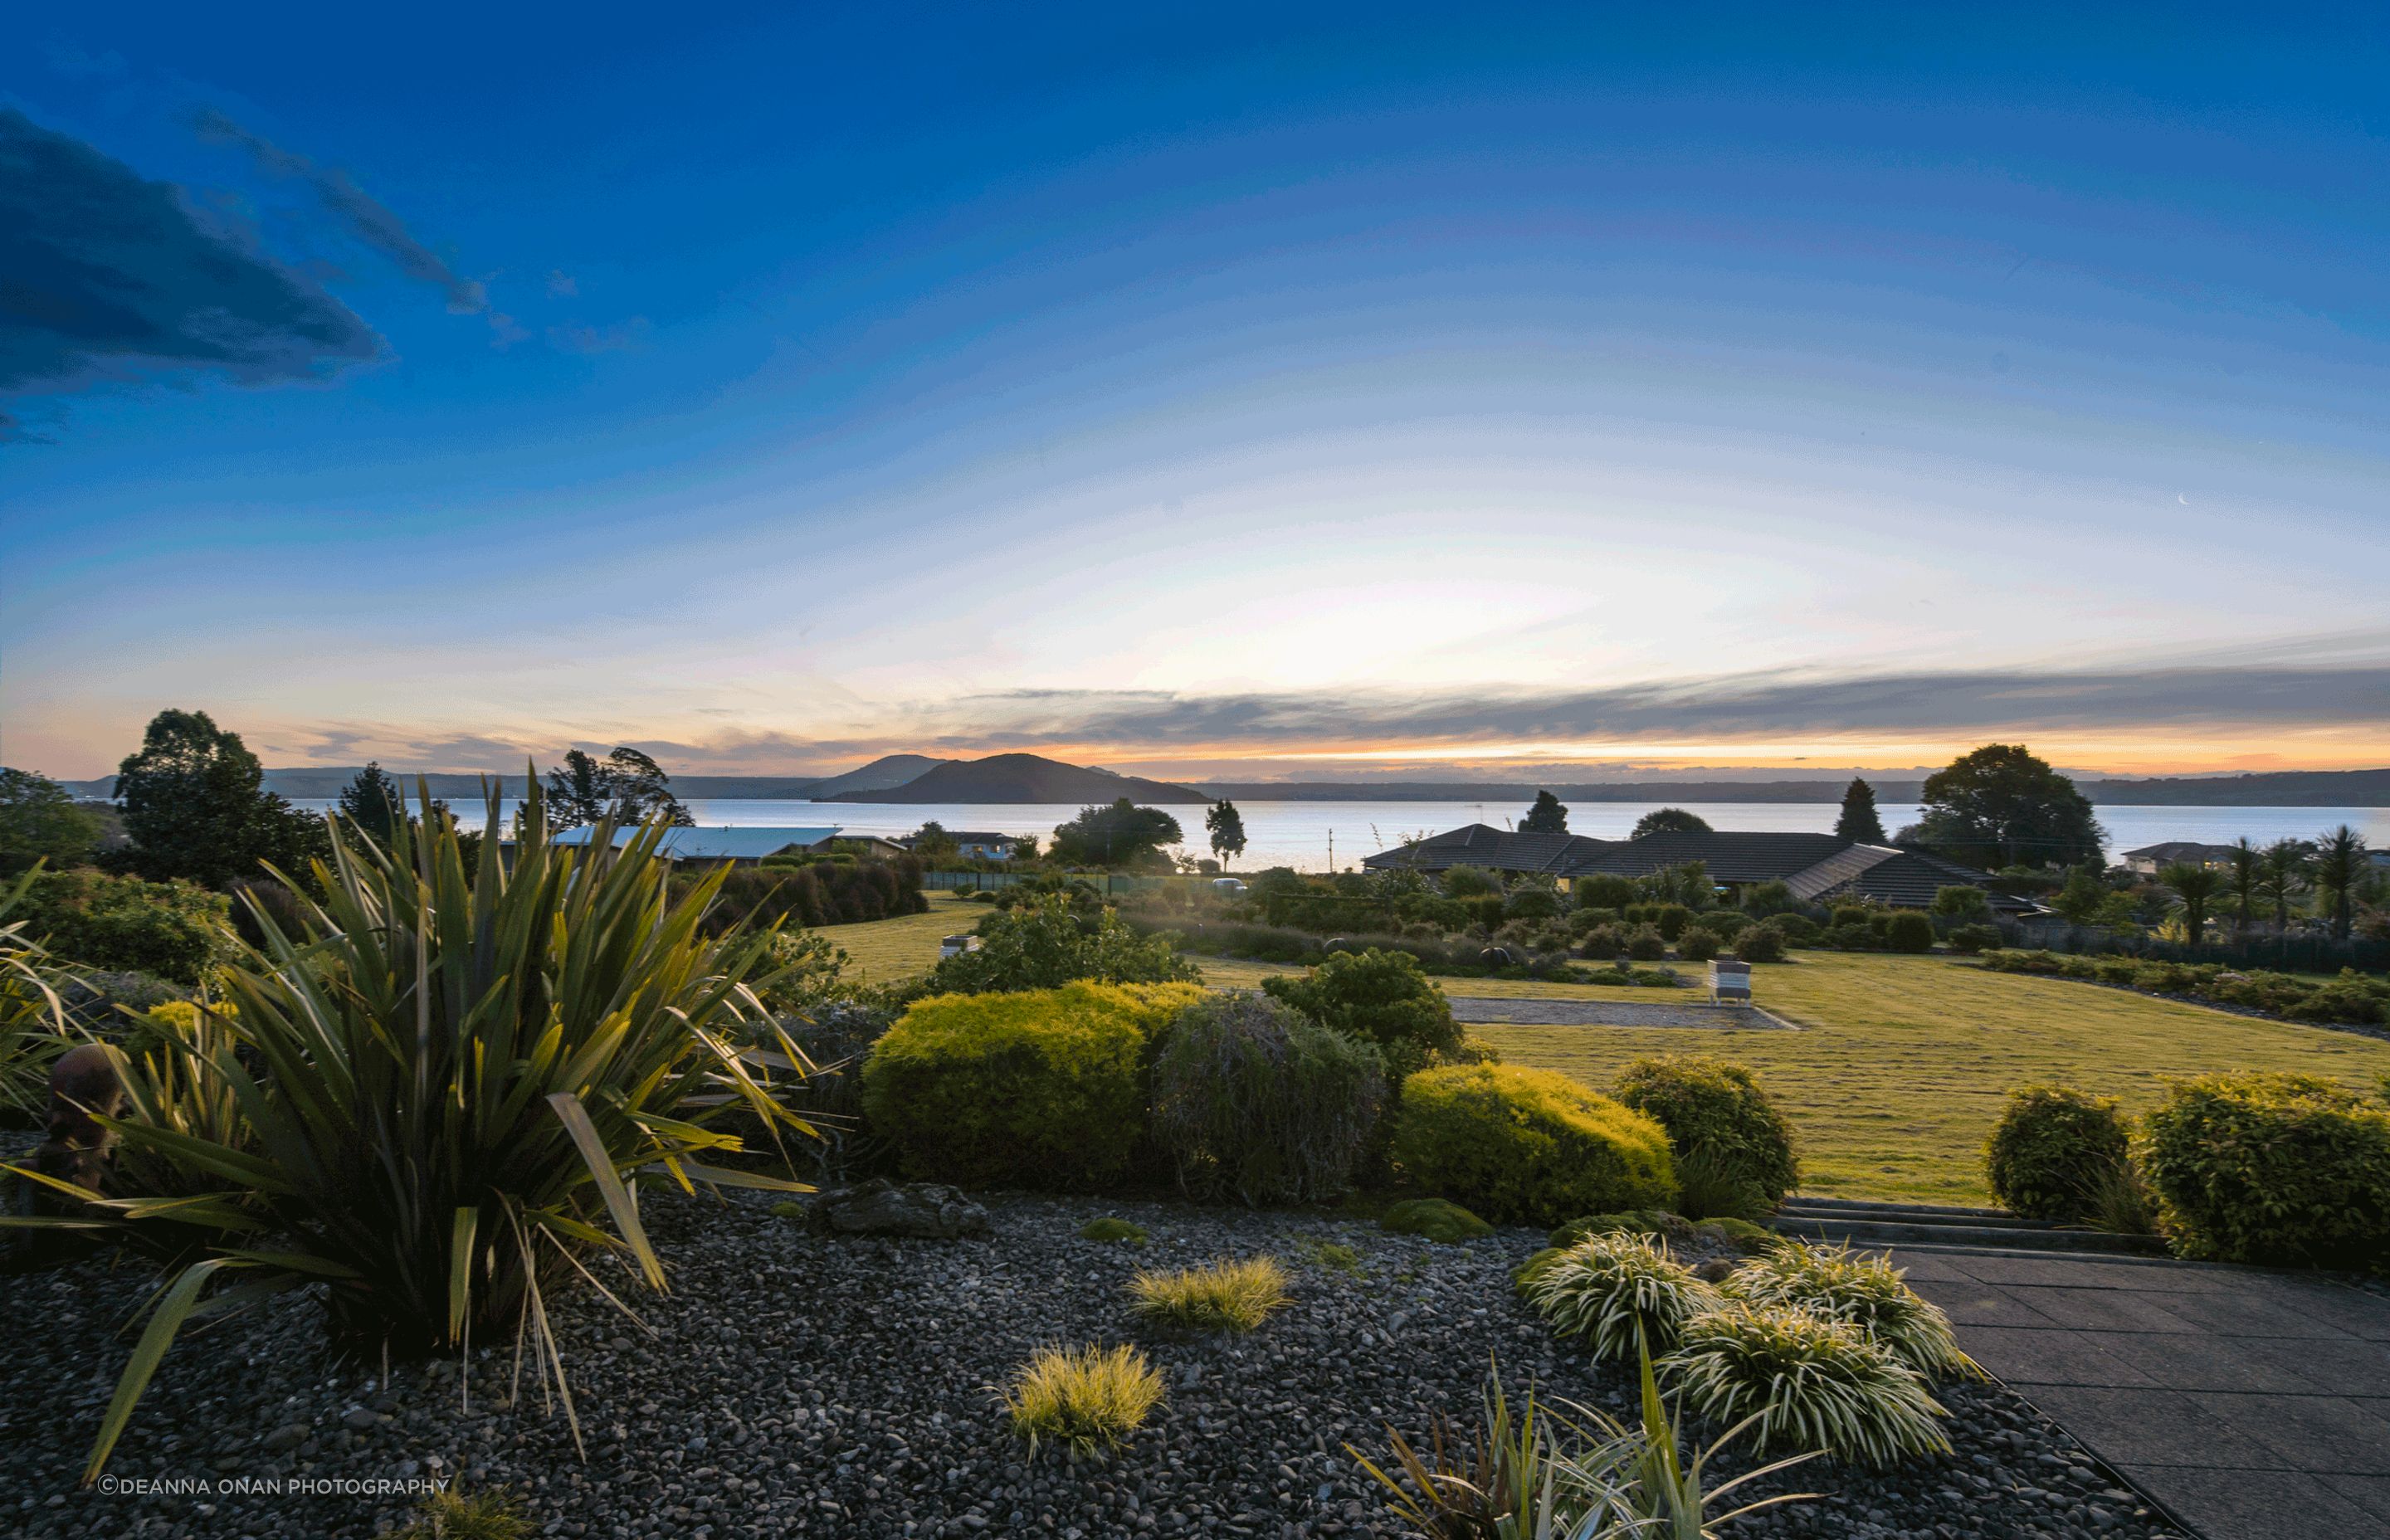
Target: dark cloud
point(106, 274)
point(1755, 705)
point(367, 218)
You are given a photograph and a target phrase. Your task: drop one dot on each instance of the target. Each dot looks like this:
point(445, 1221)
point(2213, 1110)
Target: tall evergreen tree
point(1859, 822)
point(373, 802)
point(1547, 817)
point(2339, 864)
point(2242, 879)
point(1227, 827)
point(196, 807)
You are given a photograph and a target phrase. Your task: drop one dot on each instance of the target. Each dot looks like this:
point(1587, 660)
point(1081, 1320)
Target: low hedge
point(1714, 1106)
point(2353, 998)
point(2271, 1168)
point(2053, 1145)
point(1532, 1145)
point(1039, 1088)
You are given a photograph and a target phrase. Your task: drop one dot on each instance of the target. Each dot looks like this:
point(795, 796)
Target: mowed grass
point(886, 950)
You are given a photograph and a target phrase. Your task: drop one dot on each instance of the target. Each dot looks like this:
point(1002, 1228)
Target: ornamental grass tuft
point(1859, 1289)
point(494, 1513)
point(1087, 1399)
point(1224, 1296)
point(1607, 1288)
point(1810, 1383)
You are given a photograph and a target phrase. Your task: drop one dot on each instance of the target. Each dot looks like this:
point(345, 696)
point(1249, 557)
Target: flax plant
point(451, 1081)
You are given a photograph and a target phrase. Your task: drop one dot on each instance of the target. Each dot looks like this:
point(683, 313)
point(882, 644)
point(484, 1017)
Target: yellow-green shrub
point(1516, 1144)
point(2051, 1148)
point(2271, 1168)
point(1039, 1088)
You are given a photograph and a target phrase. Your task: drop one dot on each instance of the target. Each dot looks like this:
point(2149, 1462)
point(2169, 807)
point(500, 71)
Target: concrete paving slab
point(2256, 1505)
point(2028, 1355)
point(2323, 1434)
point(2110, 1309)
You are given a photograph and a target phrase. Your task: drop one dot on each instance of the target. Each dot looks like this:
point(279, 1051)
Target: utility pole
point(1331, 852)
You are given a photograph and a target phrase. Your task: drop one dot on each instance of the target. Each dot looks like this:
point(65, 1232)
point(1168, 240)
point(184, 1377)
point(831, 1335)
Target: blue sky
point(1342, 390)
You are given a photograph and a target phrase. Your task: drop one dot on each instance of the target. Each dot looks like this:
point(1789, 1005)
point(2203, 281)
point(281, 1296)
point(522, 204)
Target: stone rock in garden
point(925, 1210)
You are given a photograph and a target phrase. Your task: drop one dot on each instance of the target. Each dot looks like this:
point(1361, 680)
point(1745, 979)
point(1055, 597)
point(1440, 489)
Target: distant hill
point(884, 774)
point(2276, 789)
point(1023, 778)
point(2272, 788)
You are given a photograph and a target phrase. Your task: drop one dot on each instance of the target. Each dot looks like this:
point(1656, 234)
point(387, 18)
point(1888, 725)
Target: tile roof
point(1759, 856)
point(1482, 845)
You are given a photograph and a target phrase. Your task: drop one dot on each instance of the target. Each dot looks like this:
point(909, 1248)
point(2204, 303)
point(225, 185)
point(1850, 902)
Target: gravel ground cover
point(798, 1384)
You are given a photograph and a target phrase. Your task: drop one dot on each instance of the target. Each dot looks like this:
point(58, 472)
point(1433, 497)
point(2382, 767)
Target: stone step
point(1970, 1232)
point(1857, 1207)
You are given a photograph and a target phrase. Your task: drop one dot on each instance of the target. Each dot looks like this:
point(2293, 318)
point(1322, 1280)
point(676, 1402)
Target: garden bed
point(798, 1384)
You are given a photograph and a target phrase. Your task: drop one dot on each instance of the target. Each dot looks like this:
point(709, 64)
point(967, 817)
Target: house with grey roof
point(2149, 858)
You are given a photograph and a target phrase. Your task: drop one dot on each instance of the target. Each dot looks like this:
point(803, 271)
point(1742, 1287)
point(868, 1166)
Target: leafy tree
point(1962, 904)
point(1547, 817)
point(1669, 820)
point(1859, 820)
point(626, 785)
point(2243, 878)
point(1042, 945)
point(1227, 827)
point(932, 842)
point(40, 822)
point(1380, 997)
point(2282, 877)
point(1121, 835)
point(2001, 803)
point(196, 807)
point(2194, 884)
point(2083, 898)
point(2339, 866)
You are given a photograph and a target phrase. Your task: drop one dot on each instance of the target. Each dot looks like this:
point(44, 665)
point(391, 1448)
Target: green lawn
point(1901, 1069)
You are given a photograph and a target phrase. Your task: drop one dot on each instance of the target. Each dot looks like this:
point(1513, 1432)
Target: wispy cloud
point(105, 275)
point(367, 218)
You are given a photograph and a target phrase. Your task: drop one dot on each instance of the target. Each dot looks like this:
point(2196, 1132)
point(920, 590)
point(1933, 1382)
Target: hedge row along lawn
point(1902, 1071)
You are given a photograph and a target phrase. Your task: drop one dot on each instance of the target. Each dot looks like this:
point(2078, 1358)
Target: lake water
point(1301, 834)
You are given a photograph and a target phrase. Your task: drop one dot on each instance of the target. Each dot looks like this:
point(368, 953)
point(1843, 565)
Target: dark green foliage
point(1121, 835)
point(822, 893)
point(1714, 1105)
point(1909, 930)
point(1253, 1098)
point(1227, 827)
point(40, 822)
point(1380, 997)
point(1763, 899)
point(2001, 805)
point(2338, 866)
point(1603, 891)
point(1761, 944)
point(1603, 944)
point(2353, 998)
point(1547, 817)
point(1798, 930)
point(1671, 920)
point(1696, 944)
point(625, 785)
point(1433, 1218)
point(1645, 943)
point(1041, 1089)
point(375, 804)
point(1962, 904)
point(1532, 904)
point(1113, 1232)
point(2051, 1148)
point(1968, 940)
point(1043, 945)
point(195, 809)
point(122, 924)
point(1520, 1145)
point(2271, 1169)
point(1859, 819)
point(1669, 820)
point(1470, 883)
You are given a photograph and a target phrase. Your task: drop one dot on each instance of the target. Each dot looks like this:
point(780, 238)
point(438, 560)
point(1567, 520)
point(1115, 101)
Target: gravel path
point(1614, 1013)
point(797, 1384)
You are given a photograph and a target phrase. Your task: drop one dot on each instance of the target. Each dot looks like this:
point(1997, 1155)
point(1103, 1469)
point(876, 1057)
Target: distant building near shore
point(2167, 852)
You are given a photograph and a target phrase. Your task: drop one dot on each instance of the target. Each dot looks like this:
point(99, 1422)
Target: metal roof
point(726, 843)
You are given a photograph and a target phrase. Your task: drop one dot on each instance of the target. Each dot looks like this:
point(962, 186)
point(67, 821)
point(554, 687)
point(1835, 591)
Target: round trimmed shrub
point(1861, 1289)
point(1799, 930)
point(1645, 943)
point(1696, 944)
point(1815, 1385)
point(1604, 942)
point(1909, 930)
point(1533, 1145)
point(1377, 996)
point(1671, 920)
point(2271, 1168)
point(2052, 1147)
point(1714, 1106)
point(1604, 1286)
point(1763, 943)
point(1970, 939)
point(1040, 1088)
point(1253, 1098)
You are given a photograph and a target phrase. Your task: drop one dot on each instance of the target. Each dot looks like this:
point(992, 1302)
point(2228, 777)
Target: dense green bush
point(1909, 930)
point(1850, 914)
point(1253, 1098)
point(1968, 940)
point(2271, 1168)
point(1712, 1105)
point(2352, 996)
point(1670, 919)
point(1726, 924)
point(1045, 945)
point(1799, 930)
point(1533, 903)
point(1529, 1144)
point(1603, 944)
point(1378, 997)
point(1761, 944)
point(170, 929)
point(1042, 1088)
point(1601, 890)
point(1696, 944)
point(1645, 943)
point(821, 892)
point(1433, 1219)
point(2052, 1147)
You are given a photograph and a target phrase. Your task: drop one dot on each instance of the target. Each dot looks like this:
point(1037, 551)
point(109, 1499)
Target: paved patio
point(2255, 1405)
